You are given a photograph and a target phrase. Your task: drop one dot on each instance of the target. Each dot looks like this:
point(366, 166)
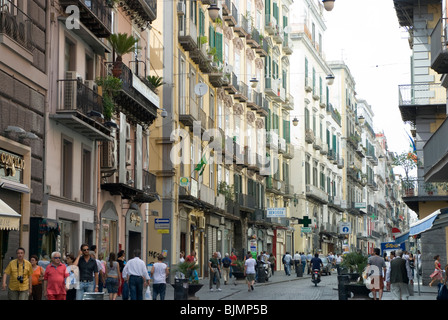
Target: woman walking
point(113, 276)
point(159, 273)
point(36, 279)
point(438, 273)
point(72, 281)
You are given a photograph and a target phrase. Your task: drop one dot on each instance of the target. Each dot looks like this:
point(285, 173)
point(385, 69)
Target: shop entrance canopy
point(9, 219)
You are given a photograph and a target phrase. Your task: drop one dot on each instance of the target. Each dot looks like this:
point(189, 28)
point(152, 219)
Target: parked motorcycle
point(315, 277)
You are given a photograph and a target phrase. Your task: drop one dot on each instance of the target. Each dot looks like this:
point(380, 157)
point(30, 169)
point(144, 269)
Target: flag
point(201, 165)
point(412, 145)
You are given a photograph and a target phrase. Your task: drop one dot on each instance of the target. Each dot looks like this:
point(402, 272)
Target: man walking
point(399, 276)
point(159, 273)
point(287, 261)
point(19, 271)
point(226, 262)
point(136, 273)
point(88, 272)
point(249, 272)
point(54, 278)
point(376, 268)
point(215, 271)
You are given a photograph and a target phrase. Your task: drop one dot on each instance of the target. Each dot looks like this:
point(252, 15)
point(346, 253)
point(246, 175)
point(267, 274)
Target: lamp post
point(213, 11)
point(328, 4)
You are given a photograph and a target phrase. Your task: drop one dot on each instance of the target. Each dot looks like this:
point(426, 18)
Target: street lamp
point(330, 79)
point(328, 4)
point(361, 120)
point(213, 11)
point(295, 122)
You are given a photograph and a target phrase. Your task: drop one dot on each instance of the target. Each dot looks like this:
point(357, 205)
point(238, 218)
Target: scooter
point(315, 277)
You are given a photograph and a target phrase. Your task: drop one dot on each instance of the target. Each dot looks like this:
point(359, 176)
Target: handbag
point(443, 292)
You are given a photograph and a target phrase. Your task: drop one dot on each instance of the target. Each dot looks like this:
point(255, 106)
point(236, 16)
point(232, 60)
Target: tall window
point(67, 169)
point(86, 176)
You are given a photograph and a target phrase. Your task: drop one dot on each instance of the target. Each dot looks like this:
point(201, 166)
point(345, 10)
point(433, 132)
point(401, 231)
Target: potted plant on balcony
point(109, 87)
point(122, 44)
point(155, 82)
point(408, 162)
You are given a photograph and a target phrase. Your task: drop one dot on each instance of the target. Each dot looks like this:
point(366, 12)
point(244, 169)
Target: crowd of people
point(74, 277)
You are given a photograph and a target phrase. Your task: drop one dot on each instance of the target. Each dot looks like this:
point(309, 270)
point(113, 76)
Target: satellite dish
point(200, 89)
point(228, 69)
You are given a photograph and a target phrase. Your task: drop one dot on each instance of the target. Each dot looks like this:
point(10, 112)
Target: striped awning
point(9, 219)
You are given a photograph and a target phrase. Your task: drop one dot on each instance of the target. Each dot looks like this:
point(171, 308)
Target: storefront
point(109, 229)
point(9, 223)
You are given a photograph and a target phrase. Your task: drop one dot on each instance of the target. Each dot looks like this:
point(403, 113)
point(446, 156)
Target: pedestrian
point(45, 261)
point(101, 278)
point(297, 260)
point(215, 271)
point(308, 260)
point(438, 272)
point(234, 258)
point(287, 260)
point(181, 257)
point(272, 261)
point(136, 274)
point(123, 289)
point(112, 276)
point(191, 257)
point(54, 278)
point(102, 272)
point(88, 272)
point(19, 272)
point(338, 261)
point(303, 260)
point(249, 272)
point(72, 281)
point(159, 273)
point(412, 264)
point(398, 278)
point(37, 278)
point(376, 269)
point(226, 262)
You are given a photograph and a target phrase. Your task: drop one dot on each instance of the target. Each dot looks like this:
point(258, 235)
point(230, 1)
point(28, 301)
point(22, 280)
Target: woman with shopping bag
point(159, 273)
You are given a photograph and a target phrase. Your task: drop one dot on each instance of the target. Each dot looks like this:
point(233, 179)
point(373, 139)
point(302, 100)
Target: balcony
point(435, 153)
point(317, 145)
point(136, 98)
point(255, 100)
point(309, 136)
point(335, 202)
point(243, 92)
point(439, 47)
point(253, 39)
point(245, 201)
point(275, 186)
point(340, 162)
point(242, 28)
point(270, 25)
point(217, 79)
point(264, 110)
point(278, 35)
point(145, 194)
point(189, 113)
point(94, 14)
point(288, 104)
point(316, 193)
point(78, 108)
point(232, 86)
point(324, 149)
point(289, 191)
point(281, 145)
point(145, 9)
point(417, 190)
point(263, 50)
point(289, 152)
point(287, 45)
point(202, 58)
point(271, 87)
point(188, 34)
point(430, 96)
point(232, 17)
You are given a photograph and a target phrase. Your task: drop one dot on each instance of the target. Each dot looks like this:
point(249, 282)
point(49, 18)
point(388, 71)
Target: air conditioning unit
point(109, 155)
point(181, 8)
point(128, 154)
point(91, 85)
point(70, 90)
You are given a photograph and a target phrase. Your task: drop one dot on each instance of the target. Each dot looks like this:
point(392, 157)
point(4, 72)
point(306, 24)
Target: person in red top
point(191, 257)
point(233, 264)
point(54, 278)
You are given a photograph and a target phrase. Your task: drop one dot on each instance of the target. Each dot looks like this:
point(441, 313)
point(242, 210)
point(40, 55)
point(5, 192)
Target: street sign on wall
point(276, 212)
point(345, 228)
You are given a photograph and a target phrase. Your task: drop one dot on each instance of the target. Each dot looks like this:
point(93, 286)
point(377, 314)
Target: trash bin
point(299, 269)
point(261, 273)
point(343, 280)
point(180, 289)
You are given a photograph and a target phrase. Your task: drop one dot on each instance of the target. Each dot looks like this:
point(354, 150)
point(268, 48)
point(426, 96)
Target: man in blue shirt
point(316, 263)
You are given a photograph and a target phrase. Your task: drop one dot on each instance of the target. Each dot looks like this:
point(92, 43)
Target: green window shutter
point(201, 22)
point(307, 118)
point(268, 121)
point(328, 139)
point(334, 143)
point(218, 45)
point(268, 7)
point(211, 36)
point(306, 71)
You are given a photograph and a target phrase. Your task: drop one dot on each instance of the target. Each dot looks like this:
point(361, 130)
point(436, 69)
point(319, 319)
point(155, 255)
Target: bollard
point(343, 280)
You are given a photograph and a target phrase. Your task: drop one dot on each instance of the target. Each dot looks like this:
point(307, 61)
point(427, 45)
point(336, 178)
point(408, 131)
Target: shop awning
point(9, 219)
point(427, 223)
point(402, 238)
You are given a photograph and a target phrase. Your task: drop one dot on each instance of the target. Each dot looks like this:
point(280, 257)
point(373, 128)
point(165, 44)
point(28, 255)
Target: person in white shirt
point(249, 272)
point(135, 271)
point(297, 260)
point(159, 273)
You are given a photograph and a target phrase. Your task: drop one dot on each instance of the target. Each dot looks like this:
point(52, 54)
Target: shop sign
point(276, 213)
point(11, 164)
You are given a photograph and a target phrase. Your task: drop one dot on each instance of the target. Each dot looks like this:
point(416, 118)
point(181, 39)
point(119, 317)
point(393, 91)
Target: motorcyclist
point(316, 264)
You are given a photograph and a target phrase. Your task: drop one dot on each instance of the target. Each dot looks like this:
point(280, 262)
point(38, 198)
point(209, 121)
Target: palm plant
point(155, 82)
point(122, 43)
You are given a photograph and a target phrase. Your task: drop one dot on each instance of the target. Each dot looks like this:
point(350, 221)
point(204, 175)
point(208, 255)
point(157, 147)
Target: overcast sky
point(367, 37)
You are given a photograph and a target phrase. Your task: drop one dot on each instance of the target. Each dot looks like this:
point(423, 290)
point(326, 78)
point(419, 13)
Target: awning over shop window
point(9, 219)
point(402, 238)
point(426, 223)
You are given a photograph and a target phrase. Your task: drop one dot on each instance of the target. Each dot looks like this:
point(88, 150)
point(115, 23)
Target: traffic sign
point(345, 228)
point(162, 223)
